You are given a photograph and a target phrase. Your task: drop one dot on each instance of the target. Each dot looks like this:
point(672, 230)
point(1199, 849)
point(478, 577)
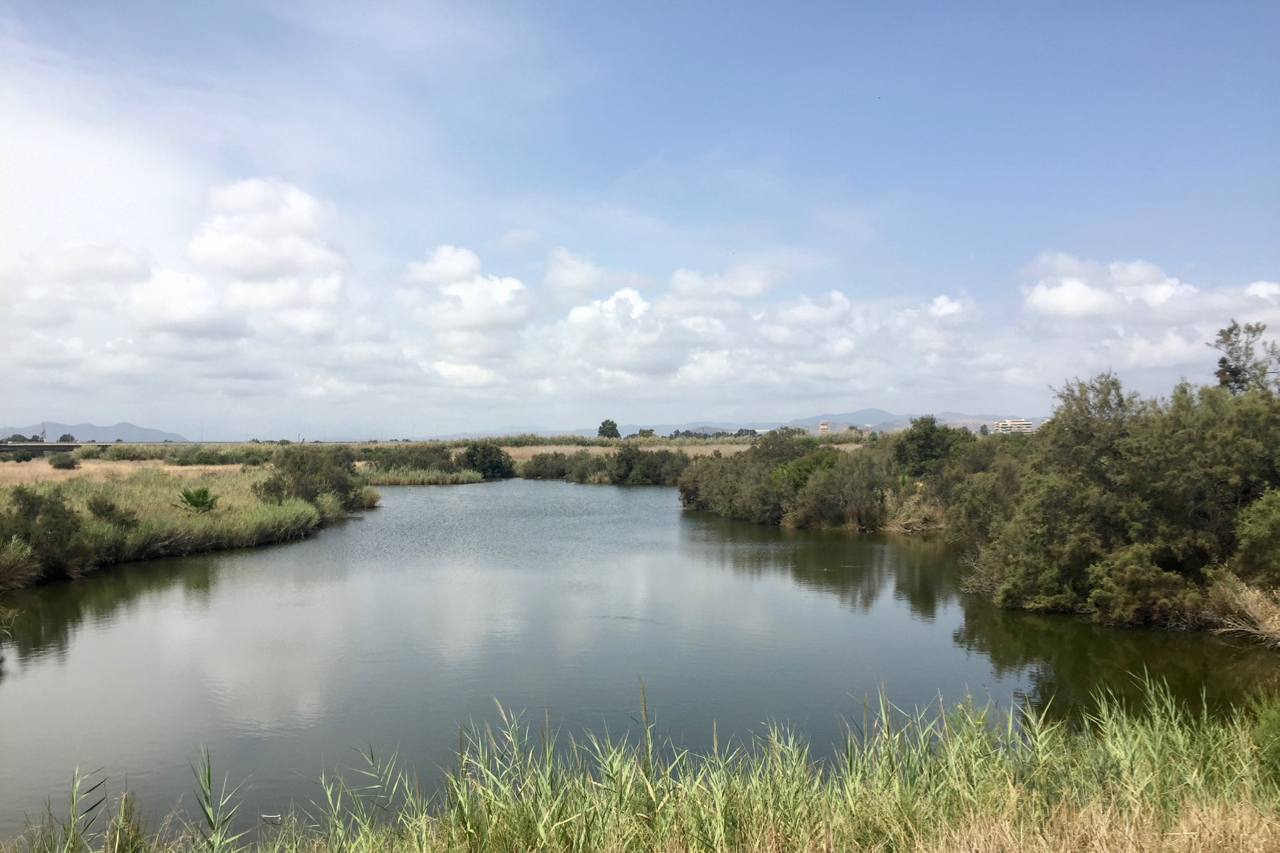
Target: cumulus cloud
point(262, 229)
point(1072, 288)
point(264, 312)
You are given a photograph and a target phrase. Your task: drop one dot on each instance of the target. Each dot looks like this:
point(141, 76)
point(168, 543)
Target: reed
point(419, 477)
point(1155, 777)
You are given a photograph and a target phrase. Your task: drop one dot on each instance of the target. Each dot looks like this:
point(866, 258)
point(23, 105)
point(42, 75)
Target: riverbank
point(1155, 778)
point(67, 528)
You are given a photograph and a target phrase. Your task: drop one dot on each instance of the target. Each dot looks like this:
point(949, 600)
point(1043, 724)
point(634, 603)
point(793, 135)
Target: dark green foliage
point(16, 438)
point(631, 466)
point(924, 448)
point(489, 459)
point(105, 509)
point(63, 461)
point(546, 466)
point(66, 438)
point(1241, 367)
point(786, 475)
point(197, 500)
point(1123, 506)
point(420, 456)
point(51, 527)
point(608, 429)
point(197, 454)
point(308, 472)
point(1258, 531)
point(19, 456)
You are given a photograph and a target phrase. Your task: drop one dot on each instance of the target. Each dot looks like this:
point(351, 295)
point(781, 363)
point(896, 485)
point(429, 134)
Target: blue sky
point(382, 218)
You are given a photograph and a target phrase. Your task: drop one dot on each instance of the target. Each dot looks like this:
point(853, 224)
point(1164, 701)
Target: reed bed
point(1156, 778)
point(418, 477)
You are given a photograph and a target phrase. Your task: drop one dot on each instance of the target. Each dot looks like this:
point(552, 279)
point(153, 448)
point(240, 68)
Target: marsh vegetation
point(965, 777)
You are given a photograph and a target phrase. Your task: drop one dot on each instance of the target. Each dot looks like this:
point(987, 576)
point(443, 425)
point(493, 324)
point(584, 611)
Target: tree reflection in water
point(50, 615)
point(1065, 659)
point(922, 571)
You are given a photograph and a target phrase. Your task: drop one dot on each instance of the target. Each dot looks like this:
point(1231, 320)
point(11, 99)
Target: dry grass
point(38, 470)
point(1253, 613)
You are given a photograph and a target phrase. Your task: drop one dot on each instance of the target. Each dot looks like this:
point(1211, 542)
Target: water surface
point(394, 628)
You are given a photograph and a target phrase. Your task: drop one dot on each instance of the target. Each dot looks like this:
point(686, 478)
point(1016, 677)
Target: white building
point(824, 428)
point(1014, 425)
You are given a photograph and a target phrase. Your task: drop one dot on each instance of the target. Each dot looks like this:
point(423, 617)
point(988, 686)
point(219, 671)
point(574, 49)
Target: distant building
point(824, 428)
point(1014, 425)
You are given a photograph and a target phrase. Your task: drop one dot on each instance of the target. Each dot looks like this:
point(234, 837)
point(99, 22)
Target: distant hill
point(93, 432)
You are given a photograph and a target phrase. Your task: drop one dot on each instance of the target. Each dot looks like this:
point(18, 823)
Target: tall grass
point(419, 477)
point(159, 526)
point(1158, 777)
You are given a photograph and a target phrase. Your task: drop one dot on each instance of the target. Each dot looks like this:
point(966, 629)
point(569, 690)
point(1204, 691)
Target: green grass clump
point(1156, 777)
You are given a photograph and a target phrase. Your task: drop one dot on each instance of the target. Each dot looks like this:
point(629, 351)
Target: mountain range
point(92, 432)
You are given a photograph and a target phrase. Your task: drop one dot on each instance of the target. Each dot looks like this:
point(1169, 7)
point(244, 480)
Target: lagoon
point(394, 628)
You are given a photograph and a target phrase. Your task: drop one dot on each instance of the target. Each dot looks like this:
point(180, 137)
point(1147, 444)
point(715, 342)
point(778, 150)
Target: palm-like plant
point(197, 500)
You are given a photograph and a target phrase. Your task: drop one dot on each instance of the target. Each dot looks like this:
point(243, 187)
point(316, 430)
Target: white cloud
point(446, 265)
point(739, 281)
point(1268, 290)
point(1069, 297)
point(262, 229)
point(570, 273)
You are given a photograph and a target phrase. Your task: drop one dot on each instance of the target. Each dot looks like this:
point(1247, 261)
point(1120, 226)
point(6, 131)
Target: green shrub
point(50, 527)
point(546, 466)
point(489, 459)
point(63, 461)
point(105, 509)
point(1258, 530)
point(418, 456)
point(307, 472)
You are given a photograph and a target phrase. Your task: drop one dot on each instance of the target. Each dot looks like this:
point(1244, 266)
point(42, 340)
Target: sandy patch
point(37, 470)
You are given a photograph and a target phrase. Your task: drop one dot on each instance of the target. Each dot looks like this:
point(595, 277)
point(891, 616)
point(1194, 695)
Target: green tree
point(1242, 366)
point(921, 449)
point(66, 438)
point(608, 429)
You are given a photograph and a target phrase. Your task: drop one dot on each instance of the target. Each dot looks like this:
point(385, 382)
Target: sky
point(393, 219)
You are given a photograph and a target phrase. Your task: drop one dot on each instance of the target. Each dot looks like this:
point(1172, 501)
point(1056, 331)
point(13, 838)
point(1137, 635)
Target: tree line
point(1128, 508)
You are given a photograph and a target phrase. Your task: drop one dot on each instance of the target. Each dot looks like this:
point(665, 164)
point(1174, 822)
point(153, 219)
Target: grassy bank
point(140, 518)
point(1159, 777)
point(63, 530)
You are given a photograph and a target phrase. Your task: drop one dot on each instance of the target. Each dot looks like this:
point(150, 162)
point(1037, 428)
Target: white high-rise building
point(1014, 425)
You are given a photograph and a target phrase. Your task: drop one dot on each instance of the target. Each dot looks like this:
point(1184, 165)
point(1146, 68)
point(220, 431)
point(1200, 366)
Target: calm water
point(394, 628)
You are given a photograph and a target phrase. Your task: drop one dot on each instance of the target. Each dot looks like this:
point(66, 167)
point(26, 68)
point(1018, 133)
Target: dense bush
point(63, 461)
point(308, 472)
point(48, 528)
point(489, 459)
point(418, 456)
point(240, 454)
point(629, 466)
